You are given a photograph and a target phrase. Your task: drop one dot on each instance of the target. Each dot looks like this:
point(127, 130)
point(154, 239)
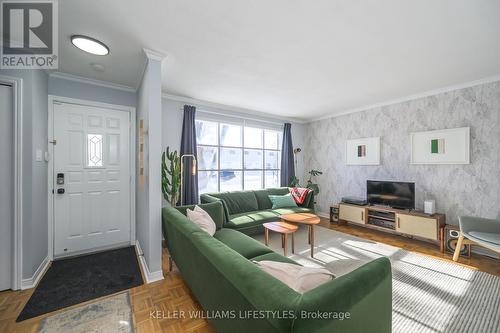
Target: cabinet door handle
point(362, 215)
point(399, 225)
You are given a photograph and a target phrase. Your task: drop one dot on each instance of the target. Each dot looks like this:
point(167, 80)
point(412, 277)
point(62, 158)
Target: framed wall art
point(446, 146)
point(365, 151)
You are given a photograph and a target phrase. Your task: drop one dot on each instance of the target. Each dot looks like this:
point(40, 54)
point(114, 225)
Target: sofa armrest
point(365, 294)
point(214, 209)
point(207, 198)
point(470, 223)
point(309, 200)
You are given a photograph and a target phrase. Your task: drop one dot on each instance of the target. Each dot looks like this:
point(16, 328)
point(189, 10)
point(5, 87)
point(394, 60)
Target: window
point(235, 157)
point(94, 150)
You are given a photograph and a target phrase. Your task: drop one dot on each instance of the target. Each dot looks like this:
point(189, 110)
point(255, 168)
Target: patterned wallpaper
point(472, 189)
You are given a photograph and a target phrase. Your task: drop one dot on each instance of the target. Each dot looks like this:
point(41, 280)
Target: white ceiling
point(293, 58)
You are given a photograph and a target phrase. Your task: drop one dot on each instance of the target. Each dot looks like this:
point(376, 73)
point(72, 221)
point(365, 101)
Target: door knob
point(60, 191)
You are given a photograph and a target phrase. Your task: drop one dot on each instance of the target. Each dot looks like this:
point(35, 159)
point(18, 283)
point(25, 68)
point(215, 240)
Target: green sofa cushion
point(249, 219)
point(273, 256)
point(290, 210)
point(214, 209)
point(252, 218)
point(241, 243)
point(238, 201)
point(282, 201)
point(278, 191)
point(263, 196)
point(263, 200)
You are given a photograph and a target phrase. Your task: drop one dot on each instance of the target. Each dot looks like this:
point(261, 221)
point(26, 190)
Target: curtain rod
point(241, 117)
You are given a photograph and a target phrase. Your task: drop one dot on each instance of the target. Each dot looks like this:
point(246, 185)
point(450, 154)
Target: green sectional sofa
point(246, 211)
point(237, 296)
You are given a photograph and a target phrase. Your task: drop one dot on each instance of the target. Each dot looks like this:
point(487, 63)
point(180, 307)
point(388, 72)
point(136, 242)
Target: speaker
point(451, 234)
point(334, 213)
point(430, 207)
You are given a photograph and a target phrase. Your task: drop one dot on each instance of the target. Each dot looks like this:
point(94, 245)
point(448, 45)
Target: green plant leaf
point(170, 175)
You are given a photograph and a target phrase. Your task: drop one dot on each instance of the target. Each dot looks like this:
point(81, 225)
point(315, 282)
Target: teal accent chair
point(478, 231)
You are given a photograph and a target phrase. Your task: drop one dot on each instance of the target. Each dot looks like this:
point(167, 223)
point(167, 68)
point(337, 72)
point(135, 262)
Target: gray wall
point(35, 89)
point(172, 126)
point(472, 189)
point(148, 195)
point(80, 90)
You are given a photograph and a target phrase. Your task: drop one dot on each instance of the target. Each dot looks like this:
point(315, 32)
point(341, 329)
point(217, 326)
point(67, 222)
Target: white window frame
point(243, 123)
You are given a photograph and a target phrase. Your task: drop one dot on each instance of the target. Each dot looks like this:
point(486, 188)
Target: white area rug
point(109, 315)
point(429, 295)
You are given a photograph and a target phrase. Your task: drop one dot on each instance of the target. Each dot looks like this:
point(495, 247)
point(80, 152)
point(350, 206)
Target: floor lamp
point(193, 172)
point(295, 152)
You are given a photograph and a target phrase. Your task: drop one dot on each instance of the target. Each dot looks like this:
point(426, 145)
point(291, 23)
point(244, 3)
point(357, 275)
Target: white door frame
point(67, 100)
point(17, 255)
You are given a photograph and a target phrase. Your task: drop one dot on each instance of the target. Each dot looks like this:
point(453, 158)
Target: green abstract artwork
point(437, 146)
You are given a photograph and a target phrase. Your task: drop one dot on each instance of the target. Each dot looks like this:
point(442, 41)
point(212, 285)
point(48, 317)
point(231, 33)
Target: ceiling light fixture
point(89, 45)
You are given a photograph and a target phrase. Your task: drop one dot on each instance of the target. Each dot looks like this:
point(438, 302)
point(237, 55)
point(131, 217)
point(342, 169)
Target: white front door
point(7, 189)
point(91, 178)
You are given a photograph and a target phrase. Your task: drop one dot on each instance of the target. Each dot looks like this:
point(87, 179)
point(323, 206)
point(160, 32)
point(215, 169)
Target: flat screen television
point(394, 194)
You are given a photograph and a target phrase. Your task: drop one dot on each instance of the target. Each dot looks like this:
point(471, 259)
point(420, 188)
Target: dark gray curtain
point(287, 166)
point(189, 191)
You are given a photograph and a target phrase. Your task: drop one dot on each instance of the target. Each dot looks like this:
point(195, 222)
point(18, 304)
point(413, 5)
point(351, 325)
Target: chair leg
point(459, 246)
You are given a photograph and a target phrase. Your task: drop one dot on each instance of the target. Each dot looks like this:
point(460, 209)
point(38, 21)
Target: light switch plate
point(38, 155)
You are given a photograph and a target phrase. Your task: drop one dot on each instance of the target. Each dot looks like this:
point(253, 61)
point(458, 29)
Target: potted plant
point(294, 181)
point(171, 176)
point(313, 186)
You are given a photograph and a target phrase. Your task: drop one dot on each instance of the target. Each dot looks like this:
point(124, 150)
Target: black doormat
point(76, 280)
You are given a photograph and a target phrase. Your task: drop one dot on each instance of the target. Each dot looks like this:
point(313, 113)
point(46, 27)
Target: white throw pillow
point(299, 278)
point(202, 219)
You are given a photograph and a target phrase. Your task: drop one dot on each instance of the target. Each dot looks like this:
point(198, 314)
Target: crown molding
point(81, 79)
point(411, 97)
point(154, 55)
point(230, 108)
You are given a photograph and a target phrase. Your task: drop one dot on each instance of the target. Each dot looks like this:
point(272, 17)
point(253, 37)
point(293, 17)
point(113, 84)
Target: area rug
point(429, 294)
point(109, 315)
point(71, 281)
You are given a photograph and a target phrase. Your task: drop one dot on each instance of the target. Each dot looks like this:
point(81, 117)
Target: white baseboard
point(323, 214)
point(150, 276)
point(33, 281)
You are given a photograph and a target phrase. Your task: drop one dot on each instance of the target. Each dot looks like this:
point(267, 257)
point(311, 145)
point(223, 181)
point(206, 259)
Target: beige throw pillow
point(299, 278)
point(202, 219)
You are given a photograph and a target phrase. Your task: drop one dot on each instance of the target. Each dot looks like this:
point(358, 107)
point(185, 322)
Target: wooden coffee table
point(284, 229)
point(304, 218)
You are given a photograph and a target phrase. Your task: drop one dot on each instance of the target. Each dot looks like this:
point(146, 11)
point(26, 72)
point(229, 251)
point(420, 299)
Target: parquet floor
point(172, 294)
point(151, 305)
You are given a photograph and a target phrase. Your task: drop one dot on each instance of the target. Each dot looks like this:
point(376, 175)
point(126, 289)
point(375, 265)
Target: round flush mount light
point(89, 44)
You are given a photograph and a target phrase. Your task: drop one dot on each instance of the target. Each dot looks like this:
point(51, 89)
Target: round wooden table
point(304, 218)
point(284, 229)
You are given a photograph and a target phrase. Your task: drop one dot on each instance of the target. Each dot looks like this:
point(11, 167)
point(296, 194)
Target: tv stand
point(408, 223)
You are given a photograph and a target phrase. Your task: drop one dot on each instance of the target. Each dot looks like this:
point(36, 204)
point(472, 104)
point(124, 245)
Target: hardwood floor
point(172, 294)
point(477, 262)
